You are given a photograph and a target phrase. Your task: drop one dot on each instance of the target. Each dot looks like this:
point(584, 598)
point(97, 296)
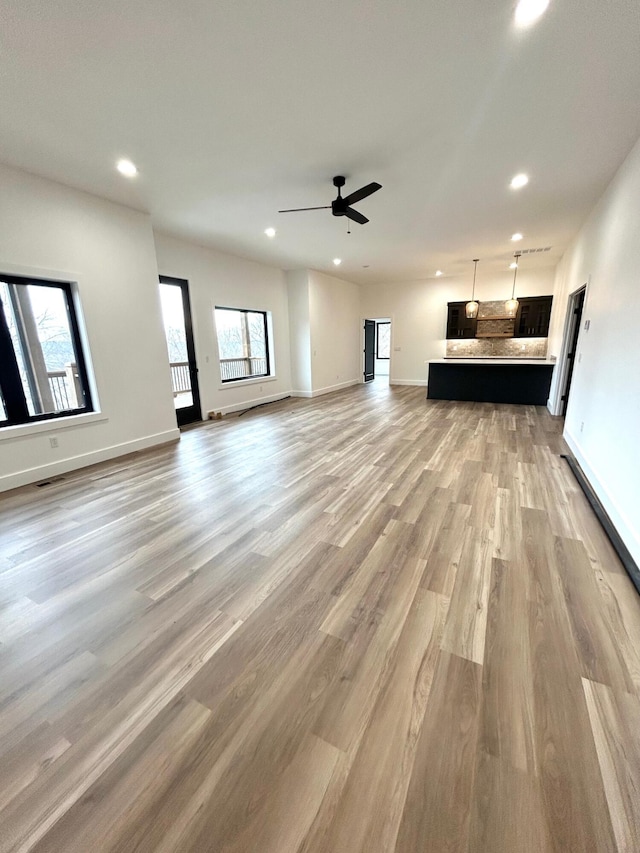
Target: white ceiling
point(234, 108)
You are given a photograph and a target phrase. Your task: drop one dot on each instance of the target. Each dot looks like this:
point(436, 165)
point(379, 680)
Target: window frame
point(10, 382)
point(378, 356)
point(267, 344)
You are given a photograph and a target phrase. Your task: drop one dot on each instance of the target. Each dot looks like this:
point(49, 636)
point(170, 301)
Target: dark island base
point(526, 384)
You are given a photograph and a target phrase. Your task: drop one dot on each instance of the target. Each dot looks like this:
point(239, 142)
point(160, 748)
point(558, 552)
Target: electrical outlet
point(53, 441)
point(581, 426)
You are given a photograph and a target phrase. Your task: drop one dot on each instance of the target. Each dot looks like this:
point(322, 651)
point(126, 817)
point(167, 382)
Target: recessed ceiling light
point(127, 168)
point(438, 273)
point(337, 261)
point(270, 232)
point(528, 11)
point(519, 181)
point(513, 266)
point(517, 236)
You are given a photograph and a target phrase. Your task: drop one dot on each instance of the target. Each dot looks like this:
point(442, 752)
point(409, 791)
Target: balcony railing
point(180, 377)
point(65, 388)
point(240, 368)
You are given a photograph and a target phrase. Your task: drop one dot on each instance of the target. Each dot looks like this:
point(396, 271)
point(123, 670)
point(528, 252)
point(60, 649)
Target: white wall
point(336, 332)
point(602, 424)
point(216, 278)
point(300, 332)
point(56, 232)
point(418, 312)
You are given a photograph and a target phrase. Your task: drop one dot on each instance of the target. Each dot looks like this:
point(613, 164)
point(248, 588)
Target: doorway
point(377, 350)
point(576, 307)
point(178, 329)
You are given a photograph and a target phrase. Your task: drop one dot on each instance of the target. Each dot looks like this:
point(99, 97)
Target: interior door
point(178, 329)
point(578, 306)
point(369, 349)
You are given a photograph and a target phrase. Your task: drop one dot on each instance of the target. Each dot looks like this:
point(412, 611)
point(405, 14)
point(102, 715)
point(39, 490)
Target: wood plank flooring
point(367, 622)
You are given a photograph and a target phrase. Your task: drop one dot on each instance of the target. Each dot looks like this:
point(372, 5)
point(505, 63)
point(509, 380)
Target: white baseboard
point(420, 382)
point(273, 398)
point(319, 392)
point(257, 401)
point(629, 535)
point(72, 463)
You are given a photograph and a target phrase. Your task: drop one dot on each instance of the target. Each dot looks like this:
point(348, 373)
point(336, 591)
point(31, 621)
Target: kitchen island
point(491, 380)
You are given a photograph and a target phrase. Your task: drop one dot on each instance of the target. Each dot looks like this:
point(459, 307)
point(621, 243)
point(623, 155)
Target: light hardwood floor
point(367, 622)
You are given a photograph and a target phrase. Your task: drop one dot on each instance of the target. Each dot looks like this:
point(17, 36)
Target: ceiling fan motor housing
point(338, 206)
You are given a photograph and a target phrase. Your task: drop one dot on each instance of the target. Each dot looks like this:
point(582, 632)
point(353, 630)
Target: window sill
point(239, 383)
point(53, 425)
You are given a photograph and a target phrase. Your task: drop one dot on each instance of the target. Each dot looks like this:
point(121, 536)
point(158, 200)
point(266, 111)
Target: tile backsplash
point(495, 327)
point(497, 348)
point(494, 308)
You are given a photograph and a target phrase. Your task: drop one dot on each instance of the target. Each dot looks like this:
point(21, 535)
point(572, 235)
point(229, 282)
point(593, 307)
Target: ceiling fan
point(342, 206)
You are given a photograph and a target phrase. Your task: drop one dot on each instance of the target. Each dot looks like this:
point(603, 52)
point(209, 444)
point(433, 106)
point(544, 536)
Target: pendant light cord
point(515, 273)
point(473, 289)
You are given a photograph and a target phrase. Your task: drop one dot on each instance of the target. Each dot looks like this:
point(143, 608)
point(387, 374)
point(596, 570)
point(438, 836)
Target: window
point(243, 343)
point(383, 340)
point(42, 368)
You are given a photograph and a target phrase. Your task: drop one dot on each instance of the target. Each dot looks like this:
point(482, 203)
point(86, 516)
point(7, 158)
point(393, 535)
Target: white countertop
point(492, 361)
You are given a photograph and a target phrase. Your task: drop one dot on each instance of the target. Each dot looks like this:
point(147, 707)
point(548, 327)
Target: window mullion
point(14, 400)
point(34, 358)
point(267, 360)
point(246, 339)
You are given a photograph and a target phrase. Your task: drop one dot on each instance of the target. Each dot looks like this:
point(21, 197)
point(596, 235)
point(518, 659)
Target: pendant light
point(511, 305)
point(471, 308)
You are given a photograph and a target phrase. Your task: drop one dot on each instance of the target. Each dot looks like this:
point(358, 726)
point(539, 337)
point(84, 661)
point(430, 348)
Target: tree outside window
point(383, 340)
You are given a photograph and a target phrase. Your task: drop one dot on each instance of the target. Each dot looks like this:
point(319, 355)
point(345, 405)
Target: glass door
point(178, 329)
point(369, 350)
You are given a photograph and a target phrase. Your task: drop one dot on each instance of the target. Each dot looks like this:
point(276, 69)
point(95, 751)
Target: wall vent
point(535, 251)
point(49, 482)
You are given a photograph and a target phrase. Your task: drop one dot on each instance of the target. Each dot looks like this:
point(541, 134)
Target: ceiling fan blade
point(297, 209)
point(356, 216)
point(363, 192)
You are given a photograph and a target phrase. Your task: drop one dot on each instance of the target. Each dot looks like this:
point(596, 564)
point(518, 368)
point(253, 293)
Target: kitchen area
point(496, 351)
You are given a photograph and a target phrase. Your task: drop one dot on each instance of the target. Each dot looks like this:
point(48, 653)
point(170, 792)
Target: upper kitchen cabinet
point(532, 320)
point(458, 324)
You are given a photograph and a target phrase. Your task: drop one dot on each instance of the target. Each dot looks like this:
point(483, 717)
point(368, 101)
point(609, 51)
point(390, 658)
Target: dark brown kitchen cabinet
point(532, 319)
point(458, 324)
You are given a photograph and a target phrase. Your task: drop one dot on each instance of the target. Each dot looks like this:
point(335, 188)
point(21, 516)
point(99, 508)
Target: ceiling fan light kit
point(343, 206)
